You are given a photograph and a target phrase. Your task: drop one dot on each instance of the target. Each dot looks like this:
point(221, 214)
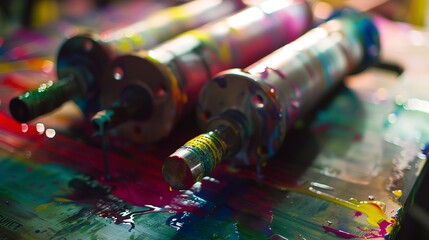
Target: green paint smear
point(33, 184)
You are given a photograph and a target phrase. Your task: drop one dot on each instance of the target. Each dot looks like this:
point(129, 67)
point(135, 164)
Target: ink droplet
point(357, 214)
point(397, 193)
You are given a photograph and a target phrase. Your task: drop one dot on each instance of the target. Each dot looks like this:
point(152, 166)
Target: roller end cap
point(177, 173)
point(100, 121)
point(19, 110)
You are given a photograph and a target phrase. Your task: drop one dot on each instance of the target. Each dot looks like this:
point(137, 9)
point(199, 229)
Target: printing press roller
point(247, 113)
point(148, 91)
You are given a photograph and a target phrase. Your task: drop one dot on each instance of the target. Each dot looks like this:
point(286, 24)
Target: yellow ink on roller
point(205, 143)
point(222, 49)
point(177, 13)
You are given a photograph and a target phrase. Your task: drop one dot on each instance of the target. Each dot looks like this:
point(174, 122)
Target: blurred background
point(41, 16)
point(38, 13)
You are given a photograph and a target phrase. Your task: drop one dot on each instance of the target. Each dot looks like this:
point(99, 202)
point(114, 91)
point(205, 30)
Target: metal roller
point(247, 112)
point(82, 59)
point(148, 91)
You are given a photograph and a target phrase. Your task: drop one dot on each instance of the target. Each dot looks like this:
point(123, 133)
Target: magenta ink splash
point(96, 199)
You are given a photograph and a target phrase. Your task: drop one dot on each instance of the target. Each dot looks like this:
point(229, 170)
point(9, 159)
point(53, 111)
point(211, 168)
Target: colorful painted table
point(349, 170)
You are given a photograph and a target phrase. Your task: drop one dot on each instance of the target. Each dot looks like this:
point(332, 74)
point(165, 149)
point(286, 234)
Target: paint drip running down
point(104, 143)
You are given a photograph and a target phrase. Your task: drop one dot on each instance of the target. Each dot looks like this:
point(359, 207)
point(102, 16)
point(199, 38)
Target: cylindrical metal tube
point(167, 23)
point(274, 92)
point(87, 55)
point(174, 72)
point(45, 41)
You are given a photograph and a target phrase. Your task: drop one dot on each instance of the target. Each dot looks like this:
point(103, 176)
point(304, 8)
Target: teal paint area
point(37, 182)
point(51, 201)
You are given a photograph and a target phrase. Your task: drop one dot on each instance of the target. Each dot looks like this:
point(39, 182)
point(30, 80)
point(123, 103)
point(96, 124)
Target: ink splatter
point(96, 200)
point(340, 233)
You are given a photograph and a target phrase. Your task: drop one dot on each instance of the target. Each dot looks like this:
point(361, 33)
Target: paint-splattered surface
point(348, 171)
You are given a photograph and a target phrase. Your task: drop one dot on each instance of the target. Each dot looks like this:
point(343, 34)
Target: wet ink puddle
point(97, 200)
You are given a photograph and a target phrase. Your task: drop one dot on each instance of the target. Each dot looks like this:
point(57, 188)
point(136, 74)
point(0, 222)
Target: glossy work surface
point(348, 171)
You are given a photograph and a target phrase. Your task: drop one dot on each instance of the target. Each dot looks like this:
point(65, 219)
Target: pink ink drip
point(340, 233)
point(264, 74)
point(278, 72)
point(383, 226)
point(357, 214)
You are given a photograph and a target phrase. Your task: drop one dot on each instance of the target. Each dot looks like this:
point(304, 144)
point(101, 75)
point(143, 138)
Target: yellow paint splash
point(175, 13)
point(374, 210)
point(42, 207)
point(137, 40)
point(62, 200)
point(397, 193)
point(125, 45)
point(222, 49)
